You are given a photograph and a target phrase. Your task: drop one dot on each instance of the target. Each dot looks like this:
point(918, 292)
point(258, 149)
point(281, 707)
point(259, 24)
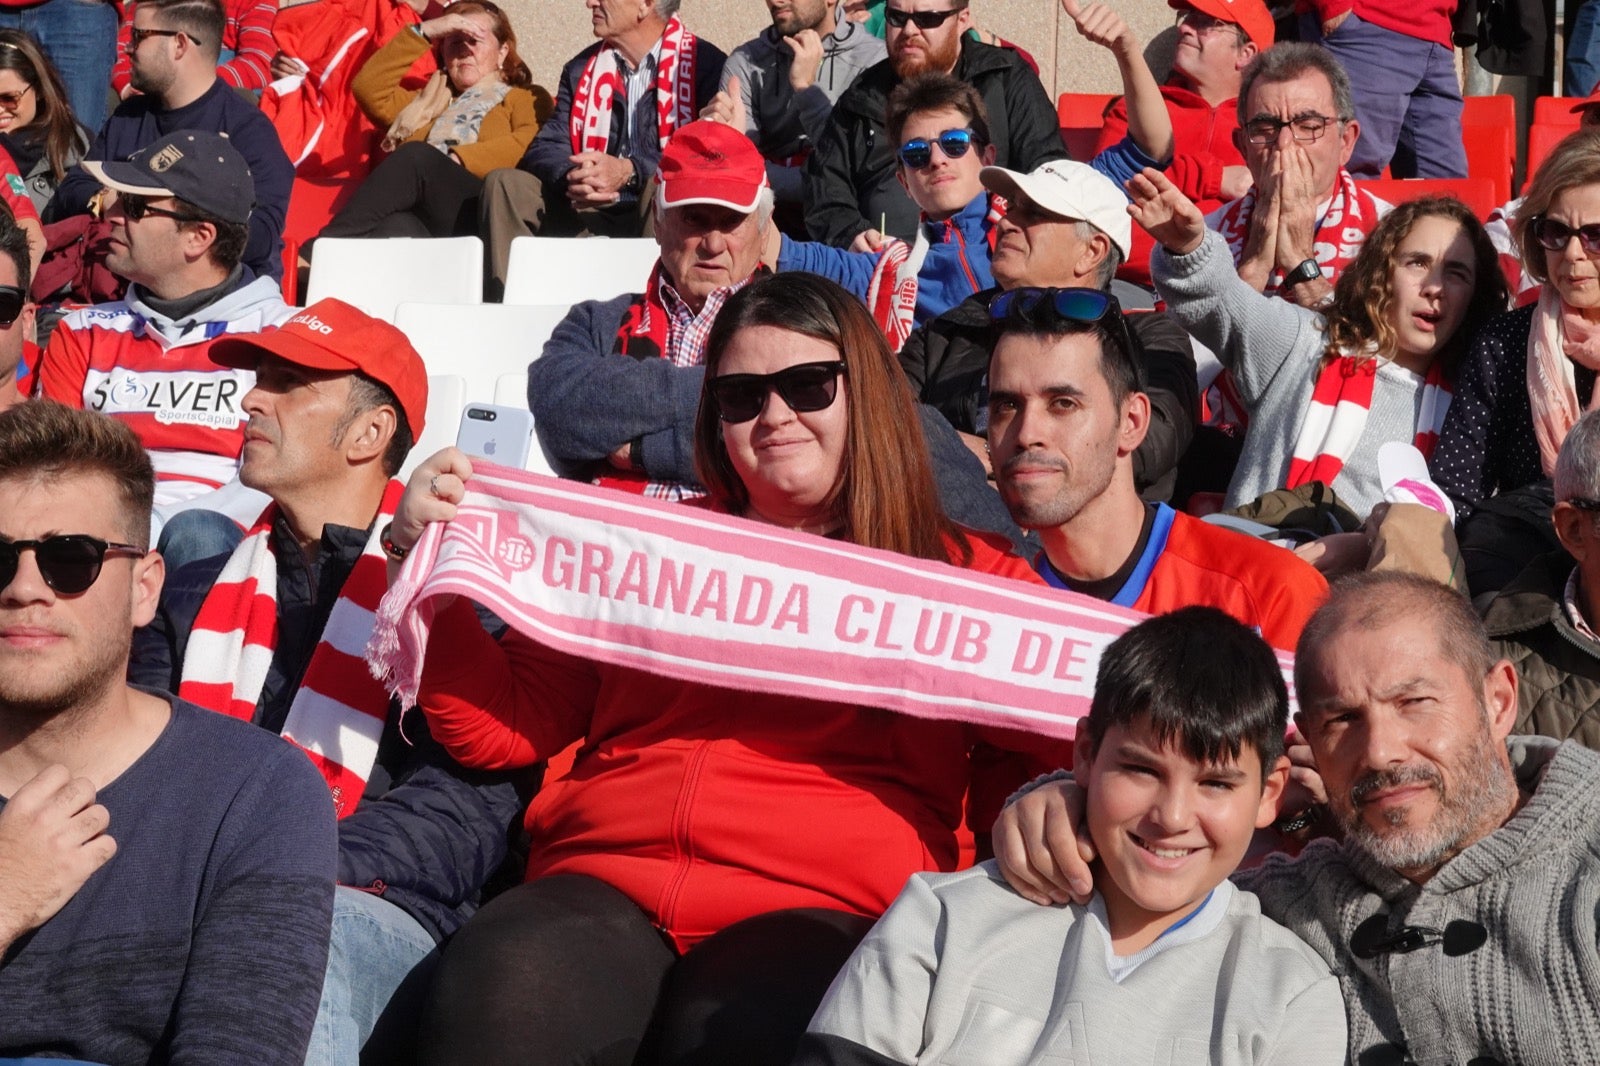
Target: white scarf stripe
point(335, 731)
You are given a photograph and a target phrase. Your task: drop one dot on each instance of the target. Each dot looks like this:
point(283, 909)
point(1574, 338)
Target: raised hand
point(1100, 25)
point(1165, 213)
point(727, 106)
point(435, 490)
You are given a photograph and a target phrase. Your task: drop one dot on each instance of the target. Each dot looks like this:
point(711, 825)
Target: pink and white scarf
point(1560, 338)
point(602, 79)
point(712, 599)
point(338, 715)
point(1340, 404)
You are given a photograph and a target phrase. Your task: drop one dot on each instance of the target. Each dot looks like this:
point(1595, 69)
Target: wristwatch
point(1308, 270)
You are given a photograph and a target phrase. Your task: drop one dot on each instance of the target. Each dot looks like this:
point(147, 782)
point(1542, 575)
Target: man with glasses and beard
point(1458, 904)
point(853, 197)
point(160, 865)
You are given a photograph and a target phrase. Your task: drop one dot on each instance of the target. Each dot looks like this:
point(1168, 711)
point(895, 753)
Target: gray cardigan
point(1529, 994)
point(1273, 348)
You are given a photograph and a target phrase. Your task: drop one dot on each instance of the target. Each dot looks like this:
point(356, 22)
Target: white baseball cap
point(1071, 190)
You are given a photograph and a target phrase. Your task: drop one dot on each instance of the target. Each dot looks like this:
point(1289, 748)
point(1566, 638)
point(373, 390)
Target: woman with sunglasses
point(1530, 373)
point(37, 127)
point(1324, 390)
point(477, 112)
point(713, 856)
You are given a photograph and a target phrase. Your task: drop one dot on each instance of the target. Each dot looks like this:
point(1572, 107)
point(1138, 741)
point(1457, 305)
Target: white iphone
point(501, 435)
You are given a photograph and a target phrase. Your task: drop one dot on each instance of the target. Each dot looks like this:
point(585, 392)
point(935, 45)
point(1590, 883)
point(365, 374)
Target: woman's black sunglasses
point(805, 387)
point(918, 152)
point(68, 562)
point(1555, 236)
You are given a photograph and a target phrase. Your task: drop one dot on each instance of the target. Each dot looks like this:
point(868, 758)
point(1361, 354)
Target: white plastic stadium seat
point(553, 270)
point(512, 391)
point(376, 275)
point(447, 395)
point(481, 343)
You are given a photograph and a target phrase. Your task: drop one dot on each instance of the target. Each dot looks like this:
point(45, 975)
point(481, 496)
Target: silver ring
point(433, 484)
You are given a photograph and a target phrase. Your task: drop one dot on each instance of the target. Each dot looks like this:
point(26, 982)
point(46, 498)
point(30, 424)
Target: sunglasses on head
point(1555, 236)
point(136, 207)
point(918, 152)
point(806, 387)
point(1031, 304)
point(68, 562)
point(925, 20)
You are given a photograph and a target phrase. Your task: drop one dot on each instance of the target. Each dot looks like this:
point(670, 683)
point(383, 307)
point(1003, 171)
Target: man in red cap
point(273, 633)
point(1216, 39)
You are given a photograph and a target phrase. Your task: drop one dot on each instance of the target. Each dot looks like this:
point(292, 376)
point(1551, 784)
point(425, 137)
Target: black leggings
point(566, 969)
point(417, 192)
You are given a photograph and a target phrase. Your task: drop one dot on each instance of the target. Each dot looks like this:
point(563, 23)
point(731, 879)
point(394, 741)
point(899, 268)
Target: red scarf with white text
point(602, 79)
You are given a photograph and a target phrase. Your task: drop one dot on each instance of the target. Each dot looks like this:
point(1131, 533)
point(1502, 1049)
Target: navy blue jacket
point(548, 158)
point(428, 833)
point(138, 122)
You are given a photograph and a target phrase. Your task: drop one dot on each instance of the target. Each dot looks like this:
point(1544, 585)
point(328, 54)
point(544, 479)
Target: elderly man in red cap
point(273, 634)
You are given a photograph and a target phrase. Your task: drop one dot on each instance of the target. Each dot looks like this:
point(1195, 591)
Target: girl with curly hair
point(1326, 388)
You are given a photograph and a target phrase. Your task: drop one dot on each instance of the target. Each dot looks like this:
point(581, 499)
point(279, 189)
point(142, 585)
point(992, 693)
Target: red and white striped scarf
point(1337, 240)
point(338, 715)
point(892, 290)
point(1340, 404)
point(602, 79)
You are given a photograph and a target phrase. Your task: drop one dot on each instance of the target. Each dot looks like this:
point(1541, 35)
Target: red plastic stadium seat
point(1541, 139)
point(1491, 153)
point(1498, 110)
point(1554, 111)
point(1080, 141)
point(1476, 193)
point(1083, 110)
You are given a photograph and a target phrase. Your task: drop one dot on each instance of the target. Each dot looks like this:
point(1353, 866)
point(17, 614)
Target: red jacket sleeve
point(249, 35)
point(499, 706)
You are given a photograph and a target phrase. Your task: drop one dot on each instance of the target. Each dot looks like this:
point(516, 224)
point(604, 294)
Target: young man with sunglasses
point(1067, 413)
point(173, 48)
point(851, 180)
point(271, 632)
point(179, 211)
point(160, 865)
point(1066, 226)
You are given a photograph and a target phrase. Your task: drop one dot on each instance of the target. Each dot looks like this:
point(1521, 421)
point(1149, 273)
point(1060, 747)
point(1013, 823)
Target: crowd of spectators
point(1202, 380)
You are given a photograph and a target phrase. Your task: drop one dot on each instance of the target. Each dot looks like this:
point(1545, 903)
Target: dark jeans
point(566, 969)
point(417, 192)
point(80, 37)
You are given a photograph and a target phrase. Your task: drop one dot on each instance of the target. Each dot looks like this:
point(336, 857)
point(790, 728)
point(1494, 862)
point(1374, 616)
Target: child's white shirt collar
point(1200, 923)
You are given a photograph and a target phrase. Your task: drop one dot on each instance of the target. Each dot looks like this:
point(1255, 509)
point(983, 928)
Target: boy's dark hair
point(1201, 680)
point(14, 246)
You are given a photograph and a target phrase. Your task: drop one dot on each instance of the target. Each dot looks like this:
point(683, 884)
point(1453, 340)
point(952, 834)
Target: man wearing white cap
point(1066, 226)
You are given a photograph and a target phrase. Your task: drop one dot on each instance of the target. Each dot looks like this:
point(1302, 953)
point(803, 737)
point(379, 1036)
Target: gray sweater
point(962, 970)
point(1273, 348)
point(1528, 995)
point(781, 121)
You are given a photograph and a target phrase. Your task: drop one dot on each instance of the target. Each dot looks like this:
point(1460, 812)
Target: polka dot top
point(1487, 445)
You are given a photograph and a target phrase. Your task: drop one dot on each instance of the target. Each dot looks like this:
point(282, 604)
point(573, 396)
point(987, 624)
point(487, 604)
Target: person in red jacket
point(1216, 39)
point(713, 857)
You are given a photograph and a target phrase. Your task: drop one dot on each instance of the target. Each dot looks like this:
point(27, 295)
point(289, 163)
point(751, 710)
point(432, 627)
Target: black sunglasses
point(806, 387)
point(925, 20)
point(918, 152)
point(136, 37)
point(136, 207)
point(12, 300)
point(1554, 236)
point(68, 562)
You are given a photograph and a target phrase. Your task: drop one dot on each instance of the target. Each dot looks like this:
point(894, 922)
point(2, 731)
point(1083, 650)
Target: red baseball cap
point(1592, 100)
point(1251, 16)
point(332, 335)
point(710, 162)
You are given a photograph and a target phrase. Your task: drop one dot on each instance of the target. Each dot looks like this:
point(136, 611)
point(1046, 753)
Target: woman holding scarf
point(1325, 389)
point(1530, 373)
point(477, 112)
point(713, 856)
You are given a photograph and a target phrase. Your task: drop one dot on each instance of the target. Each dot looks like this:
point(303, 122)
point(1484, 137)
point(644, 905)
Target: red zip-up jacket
point(706, 806)
point(1202, 144)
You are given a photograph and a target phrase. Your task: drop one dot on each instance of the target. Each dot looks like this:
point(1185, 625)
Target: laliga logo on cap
point(165, 159)
point(313, 323)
